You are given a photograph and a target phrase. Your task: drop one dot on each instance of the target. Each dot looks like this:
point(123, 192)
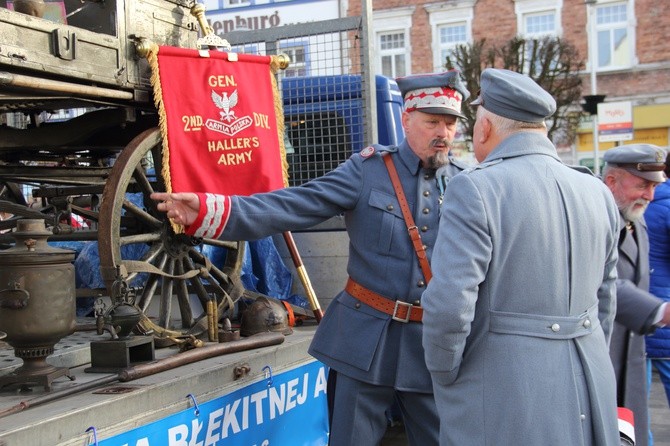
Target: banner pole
point(304, 278)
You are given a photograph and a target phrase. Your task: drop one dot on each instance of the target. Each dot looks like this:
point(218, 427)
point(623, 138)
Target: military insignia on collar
point(367, 152)
point(660, 156)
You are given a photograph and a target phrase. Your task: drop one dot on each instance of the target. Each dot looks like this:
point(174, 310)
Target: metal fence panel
point(324, 90)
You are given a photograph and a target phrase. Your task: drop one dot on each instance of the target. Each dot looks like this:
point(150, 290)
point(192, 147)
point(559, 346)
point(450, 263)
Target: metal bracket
point(64, 43)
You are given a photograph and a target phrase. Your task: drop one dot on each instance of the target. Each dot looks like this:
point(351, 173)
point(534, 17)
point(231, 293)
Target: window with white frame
point(614, 34)
point(298, 56)
point(449, 36)
point(537, 27)
point(537, 20)
point(236, 3)
point(212, 5)
point(540, 24)
point(392, 44)
point(393, 54)
point(451, 26)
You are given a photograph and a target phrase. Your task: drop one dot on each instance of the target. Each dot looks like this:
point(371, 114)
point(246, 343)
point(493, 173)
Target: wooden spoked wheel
point(172, 276)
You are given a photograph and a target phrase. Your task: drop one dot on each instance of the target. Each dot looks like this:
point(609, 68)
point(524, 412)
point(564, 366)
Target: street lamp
point(592, 41)
point(590, 106)
point(591, 102)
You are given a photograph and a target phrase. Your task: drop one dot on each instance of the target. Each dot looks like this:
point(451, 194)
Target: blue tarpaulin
point(263, 269)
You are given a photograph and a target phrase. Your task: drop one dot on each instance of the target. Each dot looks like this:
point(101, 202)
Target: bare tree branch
point(553, 63)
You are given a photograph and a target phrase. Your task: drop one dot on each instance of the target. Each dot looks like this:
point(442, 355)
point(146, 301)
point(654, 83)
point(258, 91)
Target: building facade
point(623, 44)
point(626, 57)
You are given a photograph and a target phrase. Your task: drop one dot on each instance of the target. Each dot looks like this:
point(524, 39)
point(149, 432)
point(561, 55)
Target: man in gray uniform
point(632, 173)
point(371, 333)
point(519, 313)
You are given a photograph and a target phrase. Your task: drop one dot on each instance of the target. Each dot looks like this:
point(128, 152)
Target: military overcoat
point(519, 312)
point(635, 313)
point(352, 338)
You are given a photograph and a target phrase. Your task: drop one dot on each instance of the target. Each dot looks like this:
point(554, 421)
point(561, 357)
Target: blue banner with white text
point(289, 409)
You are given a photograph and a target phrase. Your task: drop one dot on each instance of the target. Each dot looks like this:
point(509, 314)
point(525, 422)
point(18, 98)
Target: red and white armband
point(212, 216)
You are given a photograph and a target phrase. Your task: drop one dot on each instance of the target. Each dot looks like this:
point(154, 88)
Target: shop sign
point(615, 121)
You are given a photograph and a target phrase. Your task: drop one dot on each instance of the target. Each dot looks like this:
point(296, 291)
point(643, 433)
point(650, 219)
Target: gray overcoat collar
point(523, 143)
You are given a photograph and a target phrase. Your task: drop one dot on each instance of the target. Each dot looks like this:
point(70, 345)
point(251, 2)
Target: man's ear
point(610, 180)
point(486, 129)
point(405, 120)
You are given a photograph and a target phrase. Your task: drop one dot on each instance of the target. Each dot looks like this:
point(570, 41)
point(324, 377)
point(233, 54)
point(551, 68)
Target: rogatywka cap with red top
point(436, 93)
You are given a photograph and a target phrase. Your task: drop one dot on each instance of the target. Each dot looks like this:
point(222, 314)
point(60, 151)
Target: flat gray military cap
point(643, 160)
point(436, 93)
point(514, 95)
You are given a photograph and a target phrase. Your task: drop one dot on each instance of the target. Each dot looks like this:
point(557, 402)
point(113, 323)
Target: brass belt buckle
point(399, 303)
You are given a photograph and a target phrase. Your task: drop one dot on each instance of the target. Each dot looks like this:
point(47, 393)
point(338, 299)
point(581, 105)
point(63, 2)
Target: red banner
point(221, 121)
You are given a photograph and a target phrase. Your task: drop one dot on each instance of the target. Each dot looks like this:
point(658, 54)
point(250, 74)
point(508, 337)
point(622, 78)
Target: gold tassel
point(275, 62)
point(152, 57)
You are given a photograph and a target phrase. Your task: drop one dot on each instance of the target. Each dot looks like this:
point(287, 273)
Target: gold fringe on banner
point(152, 57)
point(275, 62)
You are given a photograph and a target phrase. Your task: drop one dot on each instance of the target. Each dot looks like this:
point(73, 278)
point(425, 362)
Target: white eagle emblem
point(225, 103)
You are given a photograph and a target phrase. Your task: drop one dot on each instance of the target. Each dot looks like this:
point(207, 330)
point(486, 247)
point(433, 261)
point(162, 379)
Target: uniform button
point(587, 323)
point(389, 207)
point(555, 328)
point(424, 228)
point(424, 247)
point(582, 417)
point(426, 211)
point(426, 193)
point(421, 284)
point(357, 305)
point(417, 303)
point(427, 176)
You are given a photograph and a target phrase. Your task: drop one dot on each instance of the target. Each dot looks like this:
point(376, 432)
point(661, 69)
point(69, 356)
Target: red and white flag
point(626, 424)
point(221, 120)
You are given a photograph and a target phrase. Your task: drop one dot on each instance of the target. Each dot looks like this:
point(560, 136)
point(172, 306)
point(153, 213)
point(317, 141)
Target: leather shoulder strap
point(409, 220)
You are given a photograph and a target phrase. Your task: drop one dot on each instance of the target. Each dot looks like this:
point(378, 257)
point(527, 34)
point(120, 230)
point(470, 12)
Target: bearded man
point(632, 173)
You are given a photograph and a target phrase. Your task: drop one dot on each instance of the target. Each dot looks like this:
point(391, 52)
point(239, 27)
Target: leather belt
point(400, 311)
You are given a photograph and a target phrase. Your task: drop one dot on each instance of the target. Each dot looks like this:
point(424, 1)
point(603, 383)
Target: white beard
point(631, 214)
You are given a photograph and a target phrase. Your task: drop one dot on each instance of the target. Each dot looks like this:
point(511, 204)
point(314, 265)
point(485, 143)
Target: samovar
point(37, 302)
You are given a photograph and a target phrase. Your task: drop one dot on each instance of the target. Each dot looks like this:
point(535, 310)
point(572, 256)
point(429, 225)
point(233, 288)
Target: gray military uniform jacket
point(352, 338)
point(636, 308)
point(520, 309)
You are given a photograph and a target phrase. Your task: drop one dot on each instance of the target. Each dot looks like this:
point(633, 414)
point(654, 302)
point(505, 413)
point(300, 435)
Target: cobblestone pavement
point(658, 404)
